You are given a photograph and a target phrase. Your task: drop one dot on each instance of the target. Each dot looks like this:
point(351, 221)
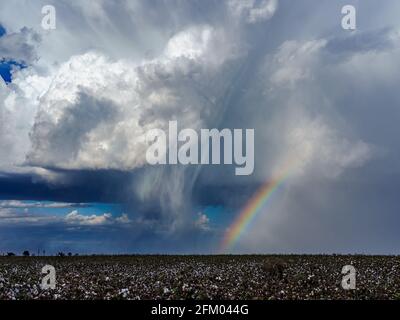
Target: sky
point(77, 101)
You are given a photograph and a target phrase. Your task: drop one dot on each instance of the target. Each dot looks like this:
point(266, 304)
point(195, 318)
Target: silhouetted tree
point(10, 254)
point(26, 253)
point(61, 254)
point(69, 254)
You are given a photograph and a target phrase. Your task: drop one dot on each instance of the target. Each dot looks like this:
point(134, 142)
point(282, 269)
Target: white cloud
point(24, 204)
point(16, 212)
point(303, 128)
point(93, 220)
point(294, 60)
point(76, 218)
point(5, 213)
point(12, 216)
point(253, 11)
point(316, 147)
point(18, 106)
point(19, 46)
point(99, 110)
point(123, 218)
point(202, 222)
point(207, 45)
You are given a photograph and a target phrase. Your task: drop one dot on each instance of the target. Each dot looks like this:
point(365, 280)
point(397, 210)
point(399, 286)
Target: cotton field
point(200, 277)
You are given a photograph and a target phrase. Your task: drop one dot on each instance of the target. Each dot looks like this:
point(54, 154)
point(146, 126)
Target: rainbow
point(250, 210)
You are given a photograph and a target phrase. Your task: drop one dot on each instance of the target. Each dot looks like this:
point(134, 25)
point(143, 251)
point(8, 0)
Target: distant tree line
point(26, 253)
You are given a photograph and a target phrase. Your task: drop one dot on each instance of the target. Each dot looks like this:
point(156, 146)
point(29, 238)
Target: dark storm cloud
point(84, 186)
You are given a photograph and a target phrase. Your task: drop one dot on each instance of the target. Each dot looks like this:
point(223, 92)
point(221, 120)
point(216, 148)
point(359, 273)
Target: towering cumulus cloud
point(96, 111)
point(75, 116)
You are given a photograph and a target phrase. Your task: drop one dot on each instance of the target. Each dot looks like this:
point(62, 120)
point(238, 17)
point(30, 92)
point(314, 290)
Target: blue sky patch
point(6, 67)
point(2, 31)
